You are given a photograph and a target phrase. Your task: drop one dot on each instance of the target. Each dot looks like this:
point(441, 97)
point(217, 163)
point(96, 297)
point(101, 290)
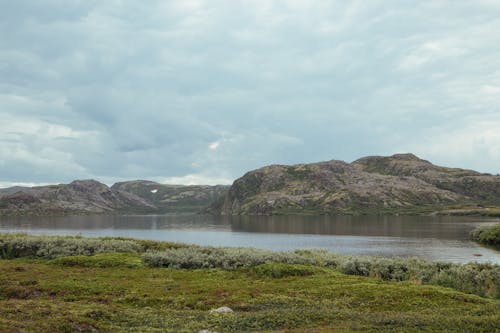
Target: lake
point(435, 238)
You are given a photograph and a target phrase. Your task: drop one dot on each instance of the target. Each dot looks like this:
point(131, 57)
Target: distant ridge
point(401, 183)
point(174, 198)
point(80, 196)
point(397, 184)
point(93, 197)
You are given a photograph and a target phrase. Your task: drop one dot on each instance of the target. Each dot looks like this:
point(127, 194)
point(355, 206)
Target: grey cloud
point(145, 89)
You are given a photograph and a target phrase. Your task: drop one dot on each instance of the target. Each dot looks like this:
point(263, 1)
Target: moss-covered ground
point(117, 292)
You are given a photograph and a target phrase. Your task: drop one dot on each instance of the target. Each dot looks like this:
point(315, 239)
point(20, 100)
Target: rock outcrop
point(80, 196)
point(402, 183)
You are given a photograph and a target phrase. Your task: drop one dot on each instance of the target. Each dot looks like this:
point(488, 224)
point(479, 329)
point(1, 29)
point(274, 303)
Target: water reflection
point(436, 238)
point(393, 226)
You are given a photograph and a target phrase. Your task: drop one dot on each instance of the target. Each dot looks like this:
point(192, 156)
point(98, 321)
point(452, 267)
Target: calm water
point(436, 238)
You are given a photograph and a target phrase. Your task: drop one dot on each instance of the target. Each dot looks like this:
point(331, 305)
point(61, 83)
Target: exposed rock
point(11, 190)
point(398, 183)
point(223, 309)
point(80, 196)
point(174, 198)
point(90, 196)
point(467, 183)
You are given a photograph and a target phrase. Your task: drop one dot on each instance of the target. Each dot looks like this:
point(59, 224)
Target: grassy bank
point(129, 285)
point(488, 235)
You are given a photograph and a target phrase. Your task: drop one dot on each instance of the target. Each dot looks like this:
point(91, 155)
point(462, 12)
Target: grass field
point(115, 292)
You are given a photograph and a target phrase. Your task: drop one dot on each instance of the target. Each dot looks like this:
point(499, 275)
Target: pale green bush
point(227, 258)
point(480, 279)
point(50, 247)
point(476, 278)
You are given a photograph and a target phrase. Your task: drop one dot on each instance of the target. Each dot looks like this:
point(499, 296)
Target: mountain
point(174, 198)
point(402, 183)
point(398, 184)
point(90, 196)
point(11, 190)
point(473, 185)
point(80, 196)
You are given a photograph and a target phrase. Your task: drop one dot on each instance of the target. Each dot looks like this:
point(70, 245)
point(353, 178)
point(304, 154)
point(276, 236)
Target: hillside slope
point(80, 196)
point(174, 198)
point(402, 183)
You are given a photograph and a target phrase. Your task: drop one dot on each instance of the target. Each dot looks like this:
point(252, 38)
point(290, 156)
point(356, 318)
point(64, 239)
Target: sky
point(200, 92)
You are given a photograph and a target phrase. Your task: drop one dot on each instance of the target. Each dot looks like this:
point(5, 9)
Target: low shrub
point(50, 247)
point(150, 245)
point(487, 234)
point(227, 258)
point(476, 278)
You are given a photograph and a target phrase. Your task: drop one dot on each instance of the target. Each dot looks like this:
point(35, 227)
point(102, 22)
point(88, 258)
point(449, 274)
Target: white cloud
point(196, 179)
point(11, 184)
point(430, 52)
point(214, 145)
point(477, 143)
point(491, 90)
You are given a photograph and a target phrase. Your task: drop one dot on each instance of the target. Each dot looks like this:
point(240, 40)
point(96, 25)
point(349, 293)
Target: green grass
point(117, 292)
point(482, 279)
point(474, 278)
point(148, 286)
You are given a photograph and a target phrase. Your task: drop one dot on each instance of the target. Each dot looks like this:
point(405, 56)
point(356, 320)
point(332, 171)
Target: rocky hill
point(80, 196)
point(402, 183)
point(398, 184)
point(174, 198)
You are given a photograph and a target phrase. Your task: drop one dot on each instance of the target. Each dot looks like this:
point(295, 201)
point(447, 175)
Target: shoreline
point(179, 256)
point(67, 284)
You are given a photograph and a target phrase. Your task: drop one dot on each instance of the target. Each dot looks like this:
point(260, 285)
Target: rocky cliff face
point(174, 198)
point(398, 183)
point(80, 196)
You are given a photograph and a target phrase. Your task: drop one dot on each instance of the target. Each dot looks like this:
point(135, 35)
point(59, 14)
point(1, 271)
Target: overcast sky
point(203, 91)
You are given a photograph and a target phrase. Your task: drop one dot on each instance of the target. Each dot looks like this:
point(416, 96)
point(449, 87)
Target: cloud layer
point(185, 91)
